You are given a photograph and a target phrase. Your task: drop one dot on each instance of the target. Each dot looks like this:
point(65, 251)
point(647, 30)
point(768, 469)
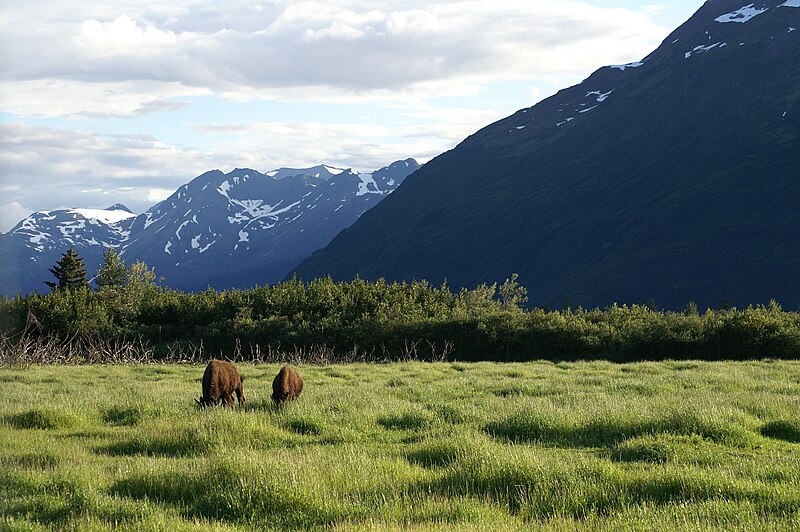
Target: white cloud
point(349, 47)
point(46, 167)
point(47, 98)
point(10, 214)
point(336, 30)
point(122, 36)
point(155, 195)
point(297, 144)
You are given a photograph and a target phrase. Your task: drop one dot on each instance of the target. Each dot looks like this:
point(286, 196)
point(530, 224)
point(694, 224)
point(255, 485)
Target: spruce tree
point(69, 271)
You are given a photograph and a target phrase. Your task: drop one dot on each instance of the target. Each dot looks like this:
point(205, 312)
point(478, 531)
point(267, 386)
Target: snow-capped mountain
point(58, 230)
point(37, 242)
point(222, 230)
point(675, 177)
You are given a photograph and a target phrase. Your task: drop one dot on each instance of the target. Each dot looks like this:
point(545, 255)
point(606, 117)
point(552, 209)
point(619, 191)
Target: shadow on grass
point(447, 413)
point(784, 429)
point(338, 373)
point(309, 426)
point(406, 420)
point(260, 405)
point(233, 493)
point(179, 443)
point(670, 448)
point(44, 419)
point(437, 454)
point(521, 390)
point(119, 416)
point(395, 383)
point(14, 378)
point(41, 460)
point(59, 511)
point(541, 491)
point(558, 430)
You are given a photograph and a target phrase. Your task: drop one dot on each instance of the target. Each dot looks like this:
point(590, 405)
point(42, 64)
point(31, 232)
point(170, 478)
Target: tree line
point(376, 321)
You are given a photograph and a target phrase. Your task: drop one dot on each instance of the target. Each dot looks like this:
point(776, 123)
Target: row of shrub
point(387, 321)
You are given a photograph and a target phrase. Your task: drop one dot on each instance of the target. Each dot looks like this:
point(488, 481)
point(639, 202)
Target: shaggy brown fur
point(220, 380)
point(287, 385)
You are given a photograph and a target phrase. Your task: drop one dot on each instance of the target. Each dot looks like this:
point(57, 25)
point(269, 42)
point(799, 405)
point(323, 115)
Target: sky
point(126, 100)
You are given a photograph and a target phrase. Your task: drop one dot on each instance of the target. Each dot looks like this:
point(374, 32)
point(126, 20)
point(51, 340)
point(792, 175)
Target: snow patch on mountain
point(700, 49)
point(601, 96)
point(36, 240)
point(250, 206)
point(149, 220)
point(224, 188)
point(367, 185)
point(180, 227)
point(196, 244)
point(105, 216)
point(742, 15)
point(636, 64)
point(332, 170)
point(69, 228)
point(791, 3)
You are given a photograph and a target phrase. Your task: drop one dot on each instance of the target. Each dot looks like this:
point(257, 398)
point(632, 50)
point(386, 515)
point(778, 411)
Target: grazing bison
point(287, 385)
point(220, 380)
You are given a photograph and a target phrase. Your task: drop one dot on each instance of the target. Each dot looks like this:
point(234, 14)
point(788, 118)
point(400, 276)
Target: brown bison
point(220, 380)
point(287, 385)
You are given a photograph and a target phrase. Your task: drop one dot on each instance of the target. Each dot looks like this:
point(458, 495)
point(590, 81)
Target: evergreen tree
point(112, 272)
point(69, 271)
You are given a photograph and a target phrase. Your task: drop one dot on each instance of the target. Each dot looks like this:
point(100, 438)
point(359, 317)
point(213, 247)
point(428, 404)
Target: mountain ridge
point(226, 230)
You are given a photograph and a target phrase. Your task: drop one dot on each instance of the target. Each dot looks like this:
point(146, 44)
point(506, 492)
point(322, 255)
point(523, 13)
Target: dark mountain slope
point(676, 179)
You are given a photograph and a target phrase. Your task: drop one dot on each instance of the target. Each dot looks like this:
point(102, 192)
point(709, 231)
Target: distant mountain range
point(675, 178)
point(239, 229)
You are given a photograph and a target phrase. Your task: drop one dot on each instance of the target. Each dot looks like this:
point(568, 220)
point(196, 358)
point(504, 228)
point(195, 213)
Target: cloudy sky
point(126, 100)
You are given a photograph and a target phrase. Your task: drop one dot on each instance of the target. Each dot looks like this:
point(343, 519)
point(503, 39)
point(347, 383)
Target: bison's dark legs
point(240, 396)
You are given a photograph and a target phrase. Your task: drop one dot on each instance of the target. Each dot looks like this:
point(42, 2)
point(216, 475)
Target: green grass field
point(405, 446)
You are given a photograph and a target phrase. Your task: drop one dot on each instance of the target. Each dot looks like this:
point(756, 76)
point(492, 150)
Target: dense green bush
point(381, 320)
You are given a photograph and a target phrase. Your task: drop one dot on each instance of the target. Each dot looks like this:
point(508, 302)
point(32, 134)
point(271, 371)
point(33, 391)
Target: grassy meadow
point(406, 446)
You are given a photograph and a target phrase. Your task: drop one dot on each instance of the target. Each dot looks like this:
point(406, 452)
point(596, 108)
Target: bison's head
point(203, 402)
point(280, 397)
